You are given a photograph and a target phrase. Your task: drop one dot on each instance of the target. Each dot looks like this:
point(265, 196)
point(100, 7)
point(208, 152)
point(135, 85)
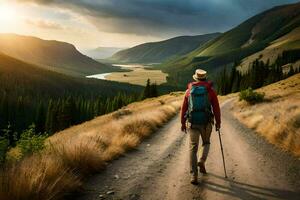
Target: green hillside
point(246, 39)
point(28, 93)
point(53, 55)
point(157, 52)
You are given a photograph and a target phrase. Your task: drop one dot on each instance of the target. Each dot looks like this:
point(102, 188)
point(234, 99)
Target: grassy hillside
point(244, 40)
point(157, 52)
point(281, 126)
point(73, 154)
point(53, 55)
point(28, 93)
point(270, 53)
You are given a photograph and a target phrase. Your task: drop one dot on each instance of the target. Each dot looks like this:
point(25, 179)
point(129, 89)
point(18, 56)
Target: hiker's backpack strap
point(189, 87)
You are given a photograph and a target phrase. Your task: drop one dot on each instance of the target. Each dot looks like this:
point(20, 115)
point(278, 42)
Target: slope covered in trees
point(53, 101)
point(259, 73)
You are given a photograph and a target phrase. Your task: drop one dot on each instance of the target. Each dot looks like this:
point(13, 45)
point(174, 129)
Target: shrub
point(30, 142)
point(251, 96)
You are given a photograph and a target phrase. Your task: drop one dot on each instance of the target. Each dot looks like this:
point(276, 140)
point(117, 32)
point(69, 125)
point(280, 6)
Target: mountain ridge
point(157, 52)
point(233, 45)
point(51, 54)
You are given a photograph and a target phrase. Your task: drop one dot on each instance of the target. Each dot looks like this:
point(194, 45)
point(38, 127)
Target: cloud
point(163, 17)
point(44, 24)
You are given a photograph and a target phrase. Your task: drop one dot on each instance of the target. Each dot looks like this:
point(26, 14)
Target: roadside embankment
point(76, 152)
point(277, 118)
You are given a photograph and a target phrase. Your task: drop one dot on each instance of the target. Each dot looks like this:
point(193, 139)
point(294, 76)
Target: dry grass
point(84, 149)
point(37, 177)
point(278, 118)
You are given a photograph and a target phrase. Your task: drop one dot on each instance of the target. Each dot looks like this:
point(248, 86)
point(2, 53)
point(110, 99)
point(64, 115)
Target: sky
point(124, 23)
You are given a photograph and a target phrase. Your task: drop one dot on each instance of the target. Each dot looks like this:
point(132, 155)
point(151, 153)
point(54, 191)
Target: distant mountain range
point(53, 55)
point(272, 29)
point(102, 52)
point(157, 52)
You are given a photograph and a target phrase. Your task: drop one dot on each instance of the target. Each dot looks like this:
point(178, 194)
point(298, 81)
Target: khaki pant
point(195, 132)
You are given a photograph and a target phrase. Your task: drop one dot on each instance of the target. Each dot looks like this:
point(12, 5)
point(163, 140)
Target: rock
point(110, 192)
point(148, 145)
point(101, 196)
point(116, 176)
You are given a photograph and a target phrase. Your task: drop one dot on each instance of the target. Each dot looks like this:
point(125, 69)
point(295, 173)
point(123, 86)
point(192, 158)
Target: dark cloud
point(164, 17)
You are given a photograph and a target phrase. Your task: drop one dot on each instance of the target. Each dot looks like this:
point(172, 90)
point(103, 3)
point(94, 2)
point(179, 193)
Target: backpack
point(199, 106)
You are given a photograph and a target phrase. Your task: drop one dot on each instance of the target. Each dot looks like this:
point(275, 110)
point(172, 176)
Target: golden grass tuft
point(84, 157)
point(37, 177)
point(84, 149)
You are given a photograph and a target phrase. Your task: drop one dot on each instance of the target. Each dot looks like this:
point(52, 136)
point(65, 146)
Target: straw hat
point(199, 75)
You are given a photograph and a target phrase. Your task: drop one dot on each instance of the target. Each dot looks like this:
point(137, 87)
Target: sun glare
point(7, 13)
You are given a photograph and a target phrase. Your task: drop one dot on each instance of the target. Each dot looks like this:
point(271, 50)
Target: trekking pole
point(222, 153)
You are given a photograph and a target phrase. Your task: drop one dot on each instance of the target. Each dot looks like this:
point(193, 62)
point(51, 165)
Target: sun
point(7, 13)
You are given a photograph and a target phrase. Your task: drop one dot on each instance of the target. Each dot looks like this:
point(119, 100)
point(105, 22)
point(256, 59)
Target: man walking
point(199, 108)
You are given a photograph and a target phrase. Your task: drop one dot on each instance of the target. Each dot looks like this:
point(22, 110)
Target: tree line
point(49, 115)
point(259, 73)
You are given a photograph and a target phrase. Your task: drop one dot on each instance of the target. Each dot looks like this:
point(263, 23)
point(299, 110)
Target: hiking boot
point(202, 167)
point(194, 179)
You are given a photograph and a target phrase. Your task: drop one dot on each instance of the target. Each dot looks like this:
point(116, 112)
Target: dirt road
point(159, 168)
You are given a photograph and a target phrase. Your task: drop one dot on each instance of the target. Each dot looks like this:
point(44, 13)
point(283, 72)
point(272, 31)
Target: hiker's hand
point(183, 128)
point(218, 126)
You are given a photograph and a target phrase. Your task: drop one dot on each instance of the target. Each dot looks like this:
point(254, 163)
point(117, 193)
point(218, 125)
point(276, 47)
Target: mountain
point(251, 36)
point(31, 79)
point(54, 55)
point(102, 52)
point(157, 52)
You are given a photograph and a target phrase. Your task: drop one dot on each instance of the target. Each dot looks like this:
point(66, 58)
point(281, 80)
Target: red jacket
point(212, 97)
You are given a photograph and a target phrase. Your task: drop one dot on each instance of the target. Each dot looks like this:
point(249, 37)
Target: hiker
point(199, 101)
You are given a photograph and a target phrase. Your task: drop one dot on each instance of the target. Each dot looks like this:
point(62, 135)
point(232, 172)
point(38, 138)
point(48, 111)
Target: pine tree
point(40, 118)
point(147, 90)
point(49, 117)
point(153, 90)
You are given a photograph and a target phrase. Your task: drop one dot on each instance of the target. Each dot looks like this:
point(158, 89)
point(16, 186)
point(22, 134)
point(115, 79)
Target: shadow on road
point(243, 190)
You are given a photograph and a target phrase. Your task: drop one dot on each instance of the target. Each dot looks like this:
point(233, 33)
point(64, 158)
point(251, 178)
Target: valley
point(83, 118)
point(136, 74)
